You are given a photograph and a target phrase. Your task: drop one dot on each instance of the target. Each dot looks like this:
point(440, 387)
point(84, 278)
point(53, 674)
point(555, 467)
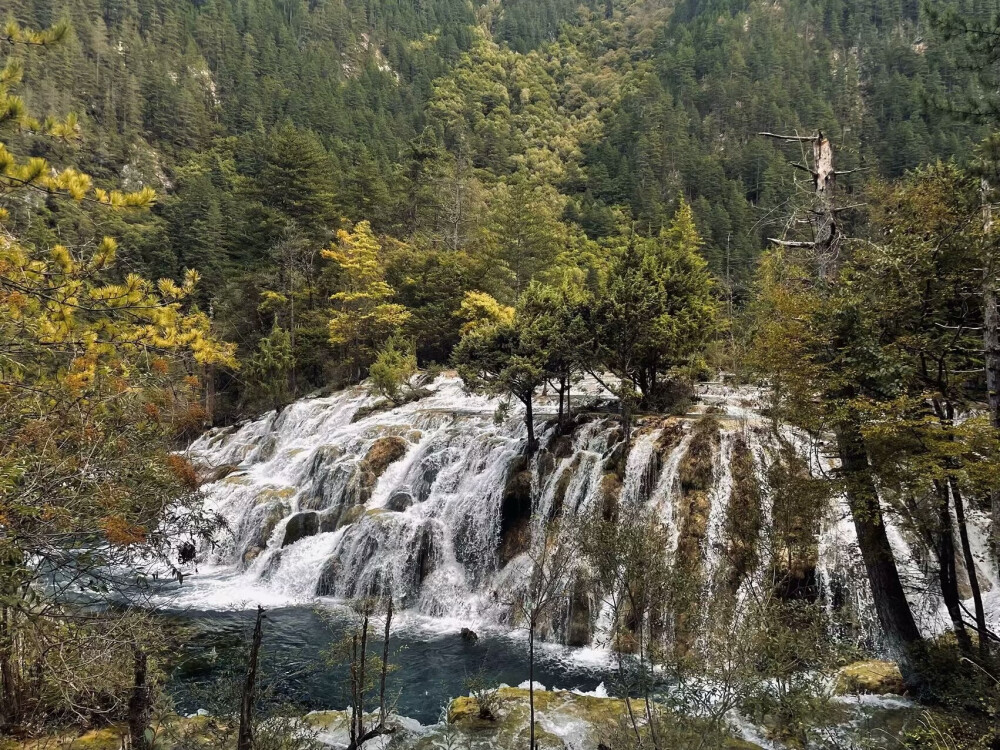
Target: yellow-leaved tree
point(363, 316)
point(97, 375)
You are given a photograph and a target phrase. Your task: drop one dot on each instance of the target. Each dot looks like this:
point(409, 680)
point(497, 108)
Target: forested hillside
point(266, 126)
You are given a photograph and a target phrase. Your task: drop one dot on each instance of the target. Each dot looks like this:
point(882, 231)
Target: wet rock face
point(328, 483)
point(300, 526)
point(217, 473)
point(515, 507)
point(423, 557)
point(581, 616)
point(262, 521)
point(399, 502)
point(384, 452)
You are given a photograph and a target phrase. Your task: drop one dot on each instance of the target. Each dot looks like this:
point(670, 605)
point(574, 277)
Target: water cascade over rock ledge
point(436, 501)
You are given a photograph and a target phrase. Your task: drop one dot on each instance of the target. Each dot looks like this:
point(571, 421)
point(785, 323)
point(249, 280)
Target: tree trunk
point(893, 610)
point(531, 683)
point(991, 347)
point(944, 547)
point(529, 422)
point(562, 393)
point(244, 740)
point(970, 569)
point(385, 663)
point(10, 707)
point(139, 708)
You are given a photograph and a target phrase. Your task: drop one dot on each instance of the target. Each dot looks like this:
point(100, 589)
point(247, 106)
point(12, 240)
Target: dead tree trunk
point(823, 214)
point(248, 695)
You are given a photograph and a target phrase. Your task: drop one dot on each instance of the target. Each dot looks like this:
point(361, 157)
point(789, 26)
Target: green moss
point(874, 677)
point(351, 515)
point(271, 494)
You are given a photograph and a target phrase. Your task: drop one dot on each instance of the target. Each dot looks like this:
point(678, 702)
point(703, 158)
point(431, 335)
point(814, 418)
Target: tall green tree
point(658, 310)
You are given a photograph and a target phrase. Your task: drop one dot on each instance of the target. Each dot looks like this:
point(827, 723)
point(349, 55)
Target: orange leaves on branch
point(120, 532)
point(183, 470)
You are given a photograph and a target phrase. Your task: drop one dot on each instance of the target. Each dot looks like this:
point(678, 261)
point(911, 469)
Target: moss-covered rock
point(383, 452)
point(218, 473)
point(611, 490)
point(272, 494)
point(871, 677)
point(176, 733)
point(597, 717)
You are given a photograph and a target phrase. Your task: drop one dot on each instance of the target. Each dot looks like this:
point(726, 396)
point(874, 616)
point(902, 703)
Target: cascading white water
point(334, 497)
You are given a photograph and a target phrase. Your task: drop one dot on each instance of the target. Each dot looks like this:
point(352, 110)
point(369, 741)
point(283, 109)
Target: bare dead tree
point(823, 219)
point(361, 731)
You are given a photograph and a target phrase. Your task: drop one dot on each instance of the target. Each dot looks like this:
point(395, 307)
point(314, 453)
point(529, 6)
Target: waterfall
point(343, 496)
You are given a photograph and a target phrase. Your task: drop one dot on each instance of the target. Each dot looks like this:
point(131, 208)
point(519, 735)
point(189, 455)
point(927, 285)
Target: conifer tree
point(363, 316)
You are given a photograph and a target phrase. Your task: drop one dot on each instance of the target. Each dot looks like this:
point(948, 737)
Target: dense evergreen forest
point(486, 146)
point(791, 196)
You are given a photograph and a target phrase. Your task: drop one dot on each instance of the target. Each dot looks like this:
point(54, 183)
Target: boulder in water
point(327, 584)
point(186, 552)
point(300, 526)
point(469, 635)
point(399, 502)
point(872, 677)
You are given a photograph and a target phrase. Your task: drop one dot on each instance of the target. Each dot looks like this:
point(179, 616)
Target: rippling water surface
point(431, 667)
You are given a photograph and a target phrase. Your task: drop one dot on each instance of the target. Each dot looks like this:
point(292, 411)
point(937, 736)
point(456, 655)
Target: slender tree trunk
point(10, 710)
point(970, 567)
point(944, 546)
point(244, 740)
point(385, 664)
point(139, 708)
point(529, 421)
point(562, 393)
point(893, 610)
point(362, 663)
point(569, 395)
point(531, 683)
point(354, 691)
point(991, 348)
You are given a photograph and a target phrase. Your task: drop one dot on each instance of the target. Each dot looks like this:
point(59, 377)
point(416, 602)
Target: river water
point(431, 666)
